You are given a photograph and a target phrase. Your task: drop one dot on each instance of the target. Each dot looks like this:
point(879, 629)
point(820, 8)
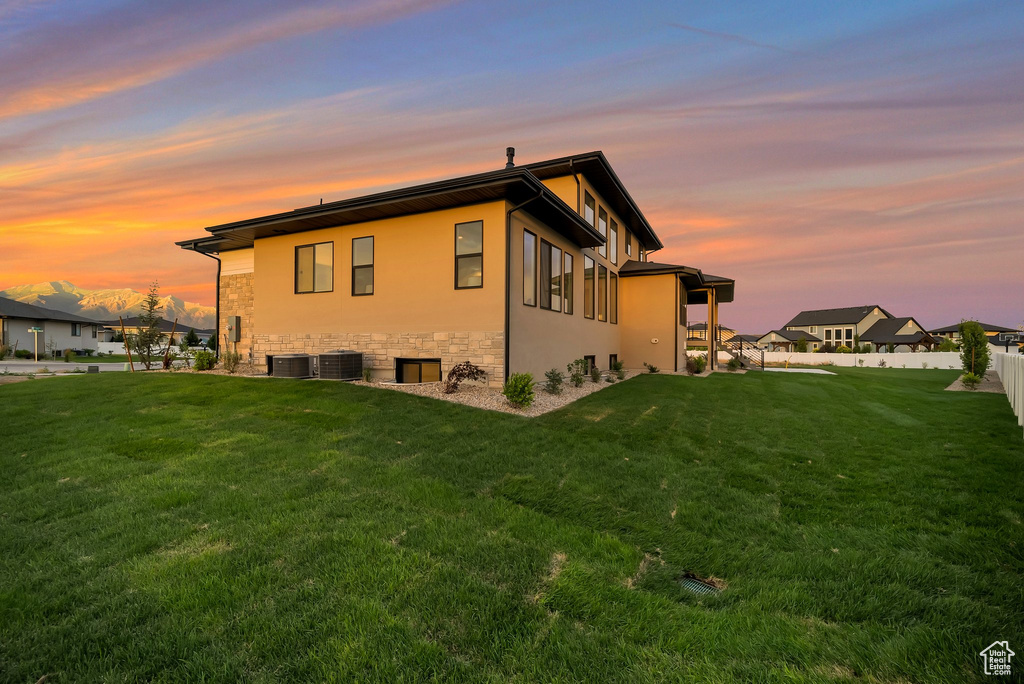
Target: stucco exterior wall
point(648, 312)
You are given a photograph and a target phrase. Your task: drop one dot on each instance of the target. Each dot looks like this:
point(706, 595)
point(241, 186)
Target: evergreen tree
point(148, 340)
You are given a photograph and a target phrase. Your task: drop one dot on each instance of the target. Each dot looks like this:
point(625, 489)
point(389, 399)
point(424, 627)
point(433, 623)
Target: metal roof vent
point(510, 152)
point(341, 364)
point(293, 366)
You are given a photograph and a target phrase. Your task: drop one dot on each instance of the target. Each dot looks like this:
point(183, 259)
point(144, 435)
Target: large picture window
point(469, 255)
point(602, 228)
point(602, 293)
point(613, 298)
point(588, 208)
point(362, 266)
point(550, 276)
point(567, 284)
point(588, 287)
point(613, 242)
point(314, 268)
point(529, 268)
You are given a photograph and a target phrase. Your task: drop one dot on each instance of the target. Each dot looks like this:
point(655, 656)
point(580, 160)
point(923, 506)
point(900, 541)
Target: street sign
point(35, 330)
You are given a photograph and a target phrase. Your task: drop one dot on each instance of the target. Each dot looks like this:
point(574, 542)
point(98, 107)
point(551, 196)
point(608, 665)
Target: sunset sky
point(822, 154)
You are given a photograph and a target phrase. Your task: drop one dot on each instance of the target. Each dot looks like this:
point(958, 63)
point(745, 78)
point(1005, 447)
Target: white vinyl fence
point(895, 360)
point(1010, 368)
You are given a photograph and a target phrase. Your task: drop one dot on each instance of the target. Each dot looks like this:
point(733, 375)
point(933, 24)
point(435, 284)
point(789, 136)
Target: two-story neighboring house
point(523, 269)
point(835, 327)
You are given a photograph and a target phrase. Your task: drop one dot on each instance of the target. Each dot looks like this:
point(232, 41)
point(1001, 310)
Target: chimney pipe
point(510, 152)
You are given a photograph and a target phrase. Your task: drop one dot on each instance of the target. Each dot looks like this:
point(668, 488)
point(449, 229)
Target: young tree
point(191, 339)
point(801, 344)
point(973, 348)
point(147, 342)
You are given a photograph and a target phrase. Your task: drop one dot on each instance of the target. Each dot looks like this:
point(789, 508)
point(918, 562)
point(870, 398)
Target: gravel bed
point(492, 399)
point(990, 383)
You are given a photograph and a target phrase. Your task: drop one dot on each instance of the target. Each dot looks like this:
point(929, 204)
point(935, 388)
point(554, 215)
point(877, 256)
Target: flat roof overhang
point(696, 283)
point(517, 186)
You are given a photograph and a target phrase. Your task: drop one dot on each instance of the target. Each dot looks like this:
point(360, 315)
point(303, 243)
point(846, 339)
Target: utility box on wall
point(234, 323)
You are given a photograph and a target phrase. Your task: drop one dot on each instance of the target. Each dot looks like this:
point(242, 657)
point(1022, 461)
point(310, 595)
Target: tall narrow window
point(550, 276)
point(314, 268)
point(613, 242)
point(567, 284)
point(76, 329)
point(362, 266)
point(602, 228)
point(613, 298)
point(529, 268)
point(588, 287)
point(602, 293)
point(469, 255)
point(588, 208)
point(629, 244)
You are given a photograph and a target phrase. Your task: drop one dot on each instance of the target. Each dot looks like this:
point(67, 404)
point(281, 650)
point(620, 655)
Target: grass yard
point(181, 527)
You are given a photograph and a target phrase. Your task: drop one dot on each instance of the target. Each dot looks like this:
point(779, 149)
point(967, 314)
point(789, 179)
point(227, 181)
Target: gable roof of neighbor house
point(164, 325)
point(704, 326)
point(885, 331)
point(521, 185)
point(792, 335)
point(748, 338)
point(12, 308)
point(849, 314)
point(987, 327)
point(693, 279)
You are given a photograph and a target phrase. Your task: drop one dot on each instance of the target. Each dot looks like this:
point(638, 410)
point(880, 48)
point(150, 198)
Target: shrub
point(191, 339)
point(860, 362)
point(88, 352)
point(595, 374)
point(826, 349)
point(971, 381)
point(619, 369)
point(22, 354)
point(651, 368)
point(947, 345)
point(230, 360)
point(458, 373)
point(368, 374)
point(168, 361)
point(211, 343)
point(843, 349)
point(577, 370)
point(205, 360)
point(609, 378)
point(69, 355)
point(801, 344)
point(733, 365)
point(890, 347)
point(973, 348)
point(696, 364)
point(553, 384)
point(518, 390)
point(881, 363)
point(924, 365)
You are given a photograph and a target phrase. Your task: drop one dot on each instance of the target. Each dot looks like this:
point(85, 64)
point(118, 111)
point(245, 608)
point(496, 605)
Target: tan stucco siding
point(565, 188)
point(649, 313)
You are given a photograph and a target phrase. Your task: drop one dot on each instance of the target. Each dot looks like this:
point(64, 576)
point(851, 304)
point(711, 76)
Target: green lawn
point(182, 527)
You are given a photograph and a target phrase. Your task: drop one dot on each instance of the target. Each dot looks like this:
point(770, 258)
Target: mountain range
point(105, 305)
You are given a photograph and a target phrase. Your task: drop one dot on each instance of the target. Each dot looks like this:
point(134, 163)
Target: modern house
point(522, 269)
point(57, 329)
point(835, 327)
point(904, 334)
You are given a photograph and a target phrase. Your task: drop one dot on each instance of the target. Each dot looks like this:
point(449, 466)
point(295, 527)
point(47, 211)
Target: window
point(643, 254)
point(602, 293)
point(314, 268)
point(591, 361)
point(94, 332)
point(76, 329)
point(613, 298)
point(588, 208)
point(602, 228)
point(849, 334)
point(828, 334)
point(612, 360)
point(362, 266)
point(814, 330)
point(613, 242)
point(588, 287)
point(529, 268)
point(567, 284)
point(469, 255)
point(550, 276)
point(417, 370)
point(629, 244)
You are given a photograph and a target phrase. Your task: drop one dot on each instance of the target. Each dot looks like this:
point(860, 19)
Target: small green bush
point(205, 360)
point(843, 349)
point(947, 345)
point(553, 384)
point(22, 354)
point(651, 368)
point(971, 381)
point(619, 368)
point(595, 374)
point(733, 365)
point(518, 390)
point(700, 362)
point(69, 355)
point(230, 360)
point(881, 363)
point(577, 370)
point(367, 374)
point(609, 378)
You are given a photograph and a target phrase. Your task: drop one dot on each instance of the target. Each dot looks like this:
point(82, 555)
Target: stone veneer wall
point(236, 299)
point(484, 348)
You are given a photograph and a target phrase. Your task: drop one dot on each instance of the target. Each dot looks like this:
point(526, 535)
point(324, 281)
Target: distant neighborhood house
point(111, 329)
point(59, 329)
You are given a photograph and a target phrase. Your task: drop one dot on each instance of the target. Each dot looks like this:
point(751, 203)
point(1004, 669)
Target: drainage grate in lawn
point(698, 586)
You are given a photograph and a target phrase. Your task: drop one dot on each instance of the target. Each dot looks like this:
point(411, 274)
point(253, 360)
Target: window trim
point(568, 293)
point(590, 360)
point(602, 248)
point(602, 270)
point(296, 278)
point(458, 256)
point(593, 288)
point(536, 267)
point(76, 327)
point(589, 203)
point(544, 244)
point(613, 286)
point(613, 242)
point(373, 262)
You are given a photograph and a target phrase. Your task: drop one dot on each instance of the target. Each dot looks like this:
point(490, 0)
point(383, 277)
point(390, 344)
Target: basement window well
point(417, 370)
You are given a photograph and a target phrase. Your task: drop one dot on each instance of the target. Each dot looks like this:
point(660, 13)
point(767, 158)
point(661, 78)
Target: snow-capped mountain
point(104, 305)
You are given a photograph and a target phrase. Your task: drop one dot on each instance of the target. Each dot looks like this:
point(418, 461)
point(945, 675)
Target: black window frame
point(76, 329)
point(589, 303)
point(629, 244)
point(568, 283)
point(550, 249)
point(536, 267)
point(590, 203)
point(472, 255)
point(602, 276)
point(602, 249)
point(590, 360)
point(613, 240)
point(363, 267)
point(613, 302)
point(612, 360)
point(313, 246)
